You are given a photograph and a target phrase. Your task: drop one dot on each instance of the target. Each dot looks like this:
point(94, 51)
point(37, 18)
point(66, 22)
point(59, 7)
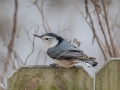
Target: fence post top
point(46, 66)
point(40, 76)
point(109, 61)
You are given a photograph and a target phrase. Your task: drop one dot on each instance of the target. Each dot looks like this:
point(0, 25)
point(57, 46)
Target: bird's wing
point(66, 51)
point(74, 53)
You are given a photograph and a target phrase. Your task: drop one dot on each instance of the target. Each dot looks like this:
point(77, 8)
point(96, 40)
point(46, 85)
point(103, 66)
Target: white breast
point(51, 44)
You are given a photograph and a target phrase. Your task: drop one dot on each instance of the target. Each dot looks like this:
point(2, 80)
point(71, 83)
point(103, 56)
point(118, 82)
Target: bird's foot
point(54, 65)
point(74, 66)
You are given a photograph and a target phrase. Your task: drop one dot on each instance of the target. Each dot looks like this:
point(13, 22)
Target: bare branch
point(11, 44)
point(43, 17)
point(33, 44)
point(100, 23)
point(93, 29)
point(110, 36)
point(66, 29)
point(73, 1)
point(2, 81)
point(38, 56)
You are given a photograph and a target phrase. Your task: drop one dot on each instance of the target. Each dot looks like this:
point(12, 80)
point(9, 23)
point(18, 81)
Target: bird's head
point(50, 39)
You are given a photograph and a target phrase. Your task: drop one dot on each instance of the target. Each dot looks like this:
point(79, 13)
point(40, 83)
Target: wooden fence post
point(50, 78)
point(108, 78)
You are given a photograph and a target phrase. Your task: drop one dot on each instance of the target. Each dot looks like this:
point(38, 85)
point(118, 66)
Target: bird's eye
point(46, 38)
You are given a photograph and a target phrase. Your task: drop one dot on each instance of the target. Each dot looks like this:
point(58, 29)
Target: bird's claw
point(54, 65)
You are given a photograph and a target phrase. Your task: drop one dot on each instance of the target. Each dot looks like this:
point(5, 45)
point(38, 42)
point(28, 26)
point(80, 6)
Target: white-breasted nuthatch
point(64, 53)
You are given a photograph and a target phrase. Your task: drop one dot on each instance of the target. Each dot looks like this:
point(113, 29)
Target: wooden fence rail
point(49, 78)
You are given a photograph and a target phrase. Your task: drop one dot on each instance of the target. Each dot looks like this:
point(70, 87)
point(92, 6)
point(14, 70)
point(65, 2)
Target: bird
point(64, 53)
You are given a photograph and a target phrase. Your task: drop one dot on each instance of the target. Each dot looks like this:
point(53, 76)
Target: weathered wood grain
point(108, 78)
point(49, 78)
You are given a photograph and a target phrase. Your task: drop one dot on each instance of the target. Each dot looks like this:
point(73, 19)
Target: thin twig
point(118, 47)
point(66, 29)
point(93, 29)
point(100, 23)
point(73, 1)
point(38, 56)
point(31, 51)
point(18, 58)
point(33, 44)
point(3, 60)
point(3, 38)
point(2, 81)
point(43, 17)
point(91, 22)
point(11, 44)
point(15, 56)
point(27, 32)
point(110, 36)
point(117, 51)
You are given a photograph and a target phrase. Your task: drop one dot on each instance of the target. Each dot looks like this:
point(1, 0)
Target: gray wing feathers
point(74, 54)
point(66, 51)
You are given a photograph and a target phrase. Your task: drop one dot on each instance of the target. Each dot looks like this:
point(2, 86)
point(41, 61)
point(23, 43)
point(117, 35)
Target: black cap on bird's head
point(51, 35)
point(47, 34)
point(60, 39)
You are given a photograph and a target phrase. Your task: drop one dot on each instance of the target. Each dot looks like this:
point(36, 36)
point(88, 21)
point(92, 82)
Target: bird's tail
point(91, 62)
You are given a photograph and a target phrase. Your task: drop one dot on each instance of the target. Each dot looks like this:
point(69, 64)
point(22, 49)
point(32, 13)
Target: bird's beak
point(37, 36)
